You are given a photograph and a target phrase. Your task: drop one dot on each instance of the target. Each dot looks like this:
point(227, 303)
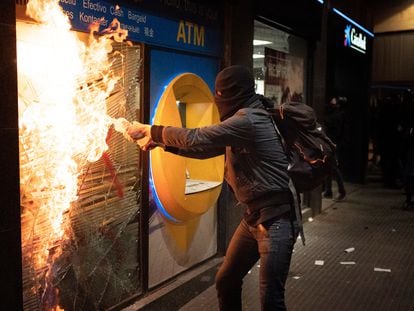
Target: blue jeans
point(272, 243)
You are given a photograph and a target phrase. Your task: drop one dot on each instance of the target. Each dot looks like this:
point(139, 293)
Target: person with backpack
point(334, 126)
point(256, 170)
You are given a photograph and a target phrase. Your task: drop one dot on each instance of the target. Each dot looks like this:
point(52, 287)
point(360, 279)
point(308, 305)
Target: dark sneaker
point(340, 197)
point(327, 195)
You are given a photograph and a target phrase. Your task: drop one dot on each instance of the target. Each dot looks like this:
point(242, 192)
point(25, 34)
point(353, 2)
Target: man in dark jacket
point(334, 127)
point(256, 171)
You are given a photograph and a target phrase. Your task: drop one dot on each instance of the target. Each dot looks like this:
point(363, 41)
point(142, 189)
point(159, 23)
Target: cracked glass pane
point(80, 232)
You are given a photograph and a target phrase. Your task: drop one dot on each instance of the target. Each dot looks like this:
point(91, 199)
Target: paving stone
point(382, 235)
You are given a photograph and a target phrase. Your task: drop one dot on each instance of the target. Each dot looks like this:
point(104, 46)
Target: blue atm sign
point(142, 27)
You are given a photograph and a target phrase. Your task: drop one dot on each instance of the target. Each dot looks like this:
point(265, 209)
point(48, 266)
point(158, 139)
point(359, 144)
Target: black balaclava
point(235, 89)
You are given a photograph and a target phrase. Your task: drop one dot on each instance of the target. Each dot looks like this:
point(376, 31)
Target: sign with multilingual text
point(177, 33)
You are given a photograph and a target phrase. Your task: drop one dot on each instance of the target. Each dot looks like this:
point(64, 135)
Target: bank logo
point(355, 39)
point(347, 35)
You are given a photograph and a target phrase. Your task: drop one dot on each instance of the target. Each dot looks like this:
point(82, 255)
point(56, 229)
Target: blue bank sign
point(142, 27)
point(355, 39)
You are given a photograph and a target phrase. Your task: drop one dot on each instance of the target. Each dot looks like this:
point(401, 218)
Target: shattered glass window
point(93, 263)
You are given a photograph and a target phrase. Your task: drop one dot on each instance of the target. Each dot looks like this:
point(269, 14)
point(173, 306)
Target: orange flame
point(63, 84)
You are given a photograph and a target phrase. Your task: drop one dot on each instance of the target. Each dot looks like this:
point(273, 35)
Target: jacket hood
point(235, 89)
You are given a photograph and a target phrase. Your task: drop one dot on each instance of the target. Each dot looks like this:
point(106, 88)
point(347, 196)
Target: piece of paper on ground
point(347, 262)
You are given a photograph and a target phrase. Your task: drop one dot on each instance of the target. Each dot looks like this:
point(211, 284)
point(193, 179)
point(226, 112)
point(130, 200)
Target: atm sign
point(190, 33)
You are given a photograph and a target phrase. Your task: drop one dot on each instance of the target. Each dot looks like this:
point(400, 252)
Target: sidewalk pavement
point(365, 248)
point(359, 256)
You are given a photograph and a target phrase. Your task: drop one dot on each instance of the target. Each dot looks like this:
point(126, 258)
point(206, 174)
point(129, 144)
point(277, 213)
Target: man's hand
point(137, 131)
point(148, 145)
point(141, 134)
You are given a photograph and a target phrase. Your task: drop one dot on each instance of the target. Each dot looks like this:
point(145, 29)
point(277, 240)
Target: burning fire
point(63, 84)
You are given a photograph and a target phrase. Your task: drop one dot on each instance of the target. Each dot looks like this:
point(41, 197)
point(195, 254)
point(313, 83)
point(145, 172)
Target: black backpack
point(311, 153)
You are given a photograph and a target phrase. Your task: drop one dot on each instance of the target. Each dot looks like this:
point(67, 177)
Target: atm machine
point(183, 192)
